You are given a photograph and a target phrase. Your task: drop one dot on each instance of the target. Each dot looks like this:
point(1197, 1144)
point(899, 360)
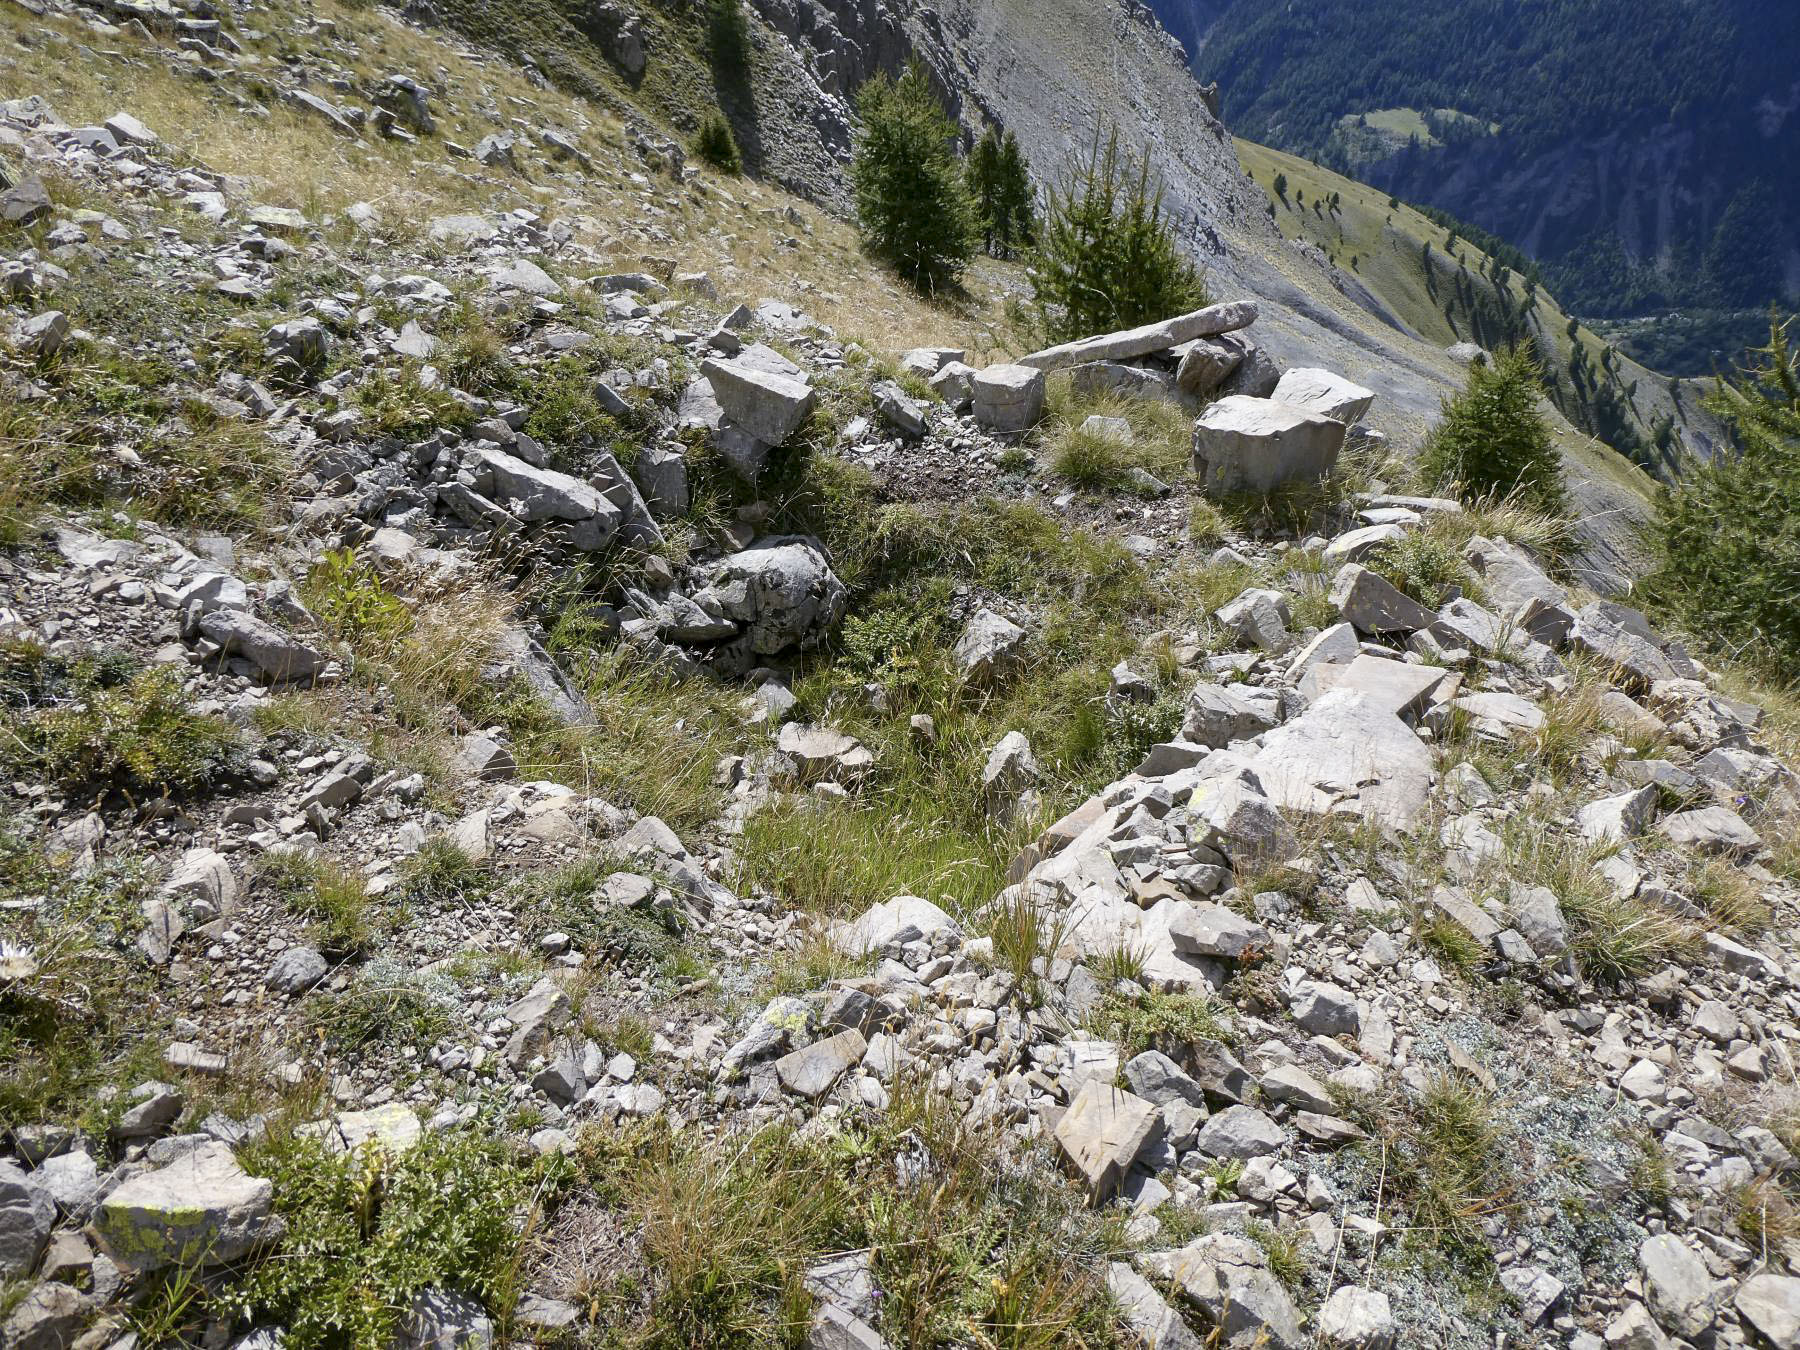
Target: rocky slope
point(554, 795)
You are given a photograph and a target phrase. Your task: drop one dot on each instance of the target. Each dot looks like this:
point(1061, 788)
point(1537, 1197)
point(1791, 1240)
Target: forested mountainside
point(1646, 154)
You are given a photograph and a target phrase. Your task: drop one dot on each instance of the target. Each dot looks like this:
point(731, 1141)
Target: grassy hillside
point(1447, 290)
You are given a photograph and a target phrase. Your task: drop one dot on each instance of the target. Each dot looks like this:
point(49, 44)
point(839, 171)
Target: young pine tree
point(1492, 440)
point(1000, 186)
point(1728, 531)
point(715, 145)
point(1106, 257)
point(911, 201)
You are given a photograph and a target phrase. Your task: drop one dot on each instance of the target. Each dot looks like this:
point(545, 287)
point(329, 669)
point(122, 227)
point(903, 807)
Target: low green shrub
point(365, 1232)
point(136, 733)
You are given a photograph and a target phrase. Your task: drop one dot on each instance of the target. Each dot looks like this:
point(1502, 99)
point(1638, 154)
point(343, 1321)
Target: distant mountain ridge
point(1646, 152)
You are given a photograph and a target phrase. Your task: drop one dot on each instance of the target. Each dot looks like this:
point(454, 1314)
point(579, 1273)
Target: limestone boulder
point(201, 1208)
point(1244, 444)
point(1322, 392)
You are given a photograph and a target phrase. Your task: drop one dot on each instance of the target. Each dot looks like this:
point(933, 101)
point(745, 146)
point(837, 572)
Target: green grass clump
point(349, 597)
point(385, 1006)
point(1615, 939)
point(366, 1232)
point(116, 727)
point(1159, 1021)
point(402, 407)
point(1427, 565)
point(967, 1248)
point(91, 1013)
point(440, 873)
point(345, 922)
point(1160, 441)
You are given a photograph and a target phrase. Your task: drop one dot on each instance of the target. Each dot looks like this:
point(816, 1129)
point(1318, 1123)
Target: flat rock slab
point(1397, 687)
point(1321, 391)
point(768, 403)
point(1152, 337)
point(1102, 1133)
point(810, 1071)
point(1347, 753)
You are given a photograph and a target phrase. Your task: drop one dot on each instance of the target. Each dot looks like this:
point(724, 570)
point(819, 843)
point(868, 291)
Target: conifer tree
point(1107, 257)
point(1000, 185)
point(911, 201)
point(1492, 440)
point(1728, 530)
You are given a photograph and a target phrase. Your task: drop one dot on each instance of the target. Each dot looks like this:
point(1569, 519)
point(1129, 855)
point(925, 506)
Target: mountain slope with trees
point(1644, 153)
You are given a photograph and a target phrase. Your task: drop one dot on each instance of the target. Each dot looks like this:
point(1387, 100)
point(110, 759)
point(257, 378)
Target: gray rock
point(281, 657)
point(50, 1317)
point(1347, 753)
point(1010, 770)
point(1536, 1289)
point(481, 758)
point(835, 1328)
point(1259, 616)
point(903, 412)
point(1711, 829)
point(1008, 399)
point(1374, 604)
point(1622, 640)
point(1217, 715)
point(955, 384)
point(1539, 920)
point(439, 1319)
point(27, 1214)
point(1355, 1318)
point(1326, 1009)
point(1213, 930)
point(1159, 1080)
point(1205, 365)
point(990, 648)
point(1154, 1325)
point(662, 476)
point(1228, 1278)
point(782, 590)
point(71, 1179)
point(768, 403)
point(823, 754)
point(1771, 1303)
point(156, 1107)
point(201, 1207)
point(1680, 1292)
point(302, 341)
point(296, 970)
point(1154, 337)
point(203, 884)
point(43, 334)
point(811, 1071)
point(524, 276)
point(1293, 1086)
point(1102, 1133)
point(1240, 1132)
point(1246, 444)
point(1322, 392)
